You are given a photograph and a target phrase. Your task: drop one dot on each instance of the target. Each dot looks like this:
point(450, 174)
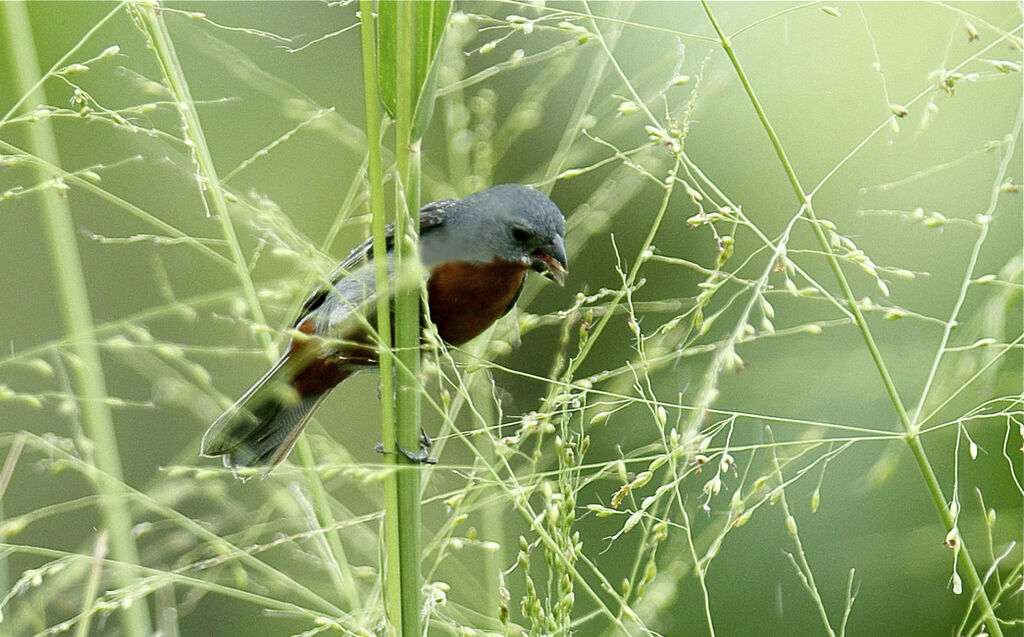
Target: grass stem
point(87, 370)
point(910, 430)
point(209, 183)
point(407, 320)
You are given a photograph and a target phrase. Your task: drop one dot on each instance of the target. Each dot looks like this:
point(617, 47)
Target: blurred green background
point(284, 109)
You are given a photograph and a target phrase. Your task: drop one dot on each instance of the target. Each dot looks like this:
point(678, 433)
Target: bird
point(475, 254)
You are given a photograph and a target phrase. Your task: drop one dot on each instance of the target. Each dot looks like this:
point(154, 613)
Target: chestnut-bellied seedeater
point(475, 252)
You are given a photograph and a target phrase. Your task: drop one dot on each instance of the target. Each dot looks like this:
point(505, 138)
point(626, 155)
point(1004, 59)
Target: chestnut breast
point(465, 298)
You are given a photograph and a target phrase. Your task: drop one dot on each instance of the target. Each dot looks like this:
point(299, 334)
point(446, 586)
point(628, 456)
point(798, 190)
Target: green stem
point(492, 514)
point(87, 372)
point(628, 282)
point(86, 37)
point(209, 183)
point(225, 551)
point(83, 184)
point(595, 76)
point(407, 319)
point(213, 194)
point(92, 585)
point(332, 551)
point(154, 578)
point(910, 430)
point(392, 568)
point(803, 567)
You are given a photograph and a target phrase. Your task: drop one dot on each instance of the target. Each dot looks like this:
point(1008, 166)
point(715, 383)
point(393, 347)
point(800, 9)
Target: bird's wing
point(432, 216)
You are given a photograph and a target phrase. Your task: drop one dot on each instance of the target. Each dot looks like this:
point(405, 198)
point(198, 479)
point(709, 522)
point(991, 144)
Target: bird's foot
point(421, 456)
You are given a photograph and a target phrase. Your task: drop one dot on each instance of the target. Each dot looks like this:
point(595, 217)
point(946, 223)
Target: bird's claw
point(422, 456)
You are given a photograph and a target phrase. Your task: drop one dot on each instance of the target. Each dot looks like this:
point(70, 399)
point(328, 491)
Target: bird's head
point(516, 224)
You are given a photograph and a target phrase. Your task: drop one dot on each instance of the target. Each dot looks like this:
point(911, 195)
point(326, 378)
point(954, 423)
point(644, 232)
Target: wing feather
point(432, 216)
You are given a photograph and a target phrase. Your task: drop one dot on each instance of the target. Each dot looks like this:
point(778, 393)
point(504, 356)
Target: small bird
point(475, 251)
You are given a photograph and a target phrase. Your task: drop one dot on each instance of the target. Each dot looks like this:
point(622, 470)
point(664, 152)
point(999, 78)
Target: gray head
point(510, 223)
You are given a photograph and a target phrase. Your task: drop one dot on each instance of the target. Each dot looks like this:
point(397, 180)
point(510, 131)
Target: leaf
point(387, 69)
point(431, 18)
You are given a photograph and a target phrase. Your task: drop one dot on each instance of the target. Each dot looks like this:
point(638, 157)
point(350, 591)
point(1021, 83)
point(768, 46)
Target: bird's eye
point(521, 235)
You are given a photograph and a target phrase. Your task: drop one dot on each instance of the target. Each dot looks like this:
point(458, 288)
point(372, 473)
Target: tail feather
point(262, 426)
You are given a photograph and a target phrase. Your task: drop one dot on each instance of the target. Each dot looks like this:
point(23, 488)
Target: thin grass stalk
point(595, 332)
point(60, 63)
point(332, 551)
point(225, 550)
point(911, 433)
point(375, 175)
point(492, 514)
point(213, 195)
point(152, 579)
point(799, 560)
point(585, 102)
point(210, 185)
point(92, 585)
point(985, 221)
point(83, 184)
point(86, 368)
point(10, 462)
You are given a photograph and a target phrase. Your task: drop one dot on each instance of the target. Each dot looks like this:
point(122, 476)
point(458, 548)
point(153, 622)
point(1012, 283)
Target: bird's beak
point(550, 261)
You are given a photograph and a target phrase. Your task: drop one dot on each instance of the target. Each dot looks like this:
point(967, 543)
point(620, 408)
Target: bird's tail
point(262, 426)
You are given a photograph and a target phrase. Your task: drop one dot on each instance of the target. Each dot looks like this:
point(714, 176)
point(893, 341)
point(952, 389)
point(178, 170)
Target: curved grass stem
point(910, 430)
point(155, 30)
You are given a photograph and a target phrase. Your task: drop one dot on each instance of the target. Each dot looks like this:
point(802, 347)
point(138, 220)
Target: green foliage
point(430, 20)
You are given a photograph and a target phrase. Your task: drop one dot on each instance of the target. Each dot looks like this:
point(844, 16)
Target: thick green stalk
point(407, 299)
point(407, 318)
point(911, 431)
point(87, 371)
